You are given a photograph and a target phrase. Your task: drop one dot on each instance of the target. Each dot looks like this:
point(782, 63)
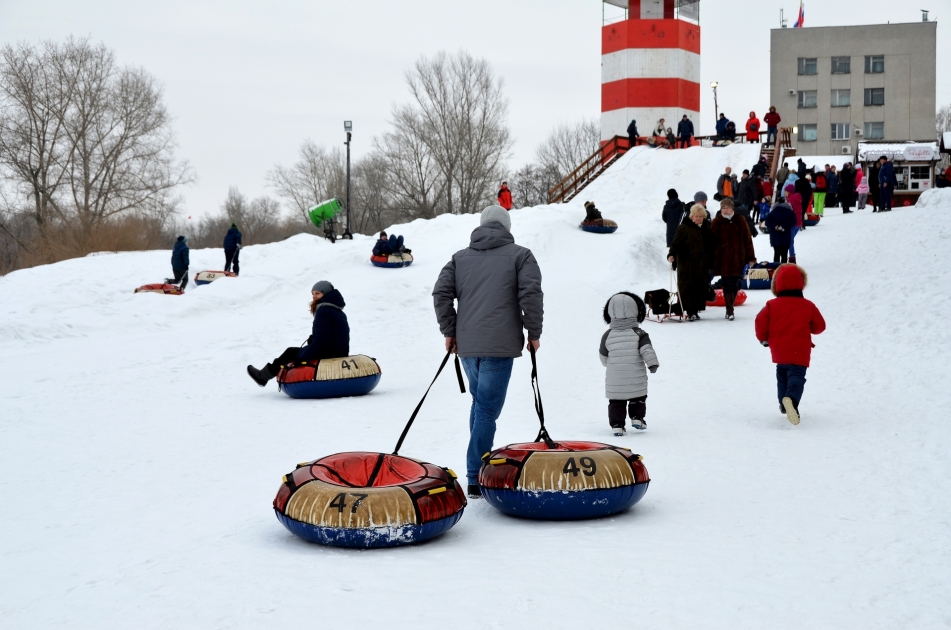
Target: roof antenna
point(924, 15)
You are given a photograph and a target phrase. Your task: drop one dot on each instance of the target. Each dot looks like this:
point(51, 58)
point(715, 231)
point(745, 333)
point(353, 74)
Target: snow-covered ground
point(138, 461)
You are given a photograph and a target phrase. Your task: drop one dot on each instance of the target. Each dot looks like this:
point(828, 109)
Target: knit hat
point(789, 188)
point(789, 278)
point(700, 196)
point(182, 238)
point(323, 287)
point(234, 225)
point(671, 194)
point(496, 213)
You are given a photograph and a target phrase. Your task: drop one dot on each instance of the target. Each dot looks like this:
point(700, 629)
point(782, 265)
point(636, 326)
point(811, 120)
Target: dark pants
point(231, 258)
point(683, 143)
point(832, 199)
point(886, 198)
point(632, 140)
point(288, 356)
point(771, 135)
point(780, 254)
point(636, 408)
point(874, 196)
point(179, 275)
point(790, 381)
point(846, 201)
point(731, 286)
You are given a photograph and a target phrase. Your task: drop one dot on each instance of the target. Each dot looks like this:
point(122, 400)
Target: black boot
point(262, 376)
point(475, 491)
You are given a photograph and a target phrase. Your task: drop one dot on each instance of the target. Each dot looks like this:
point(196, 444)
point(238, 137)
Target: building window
point(808, 65)
point(841, 131)
point(841, 98)
point(841, 65)
point(808, 133)
point(807, 99)
point(874, 96)
point(874, 64)
point(874, 131)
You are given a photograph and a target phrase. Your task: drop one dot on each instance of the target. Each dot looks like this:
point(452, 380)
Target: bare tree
point(568, 145)
point(459, 114)
point(85, 139)
point(943, 119)
point(371, 204)
point(318, 175)
point(530, 185)
point(412, 177)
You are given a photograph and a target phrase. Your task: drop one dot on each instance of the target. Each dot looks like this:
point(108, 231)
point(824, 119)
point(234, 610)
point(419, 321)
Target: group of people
point(180, 260)
point(830, 187)
point(726, 128)
point(663, 136)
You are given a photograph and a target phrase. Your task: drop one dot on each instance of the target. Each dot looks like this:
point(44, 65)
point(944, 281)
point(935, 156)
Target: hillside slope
point(139, 461)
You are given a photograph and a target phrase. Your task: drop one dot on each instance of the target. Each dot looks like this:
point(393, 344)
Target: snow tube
point(574, 480)
point(605, 227)
point(207, 277)
point(365, 500)
point(811, 219)
point(758, 276)
point(718, 301)
point(167, 289)
point(330, 378)
point(392, 261)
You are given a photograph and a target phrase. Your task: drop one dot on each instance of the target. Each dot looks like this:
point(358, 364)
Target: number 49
point(588, 467)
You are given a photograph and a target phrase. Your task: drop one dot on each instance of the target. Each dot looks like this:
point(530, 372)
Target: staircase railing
point(589, 169)
point(783, 141)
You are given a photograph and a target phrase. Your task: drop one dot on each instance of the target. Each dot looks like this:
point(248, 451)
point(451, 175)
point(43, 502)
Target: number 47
point(340, 502)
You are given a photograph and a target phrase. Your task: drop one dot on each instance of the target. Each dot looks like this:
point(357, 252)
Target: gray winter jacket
point(499, 288)
point(626, 352)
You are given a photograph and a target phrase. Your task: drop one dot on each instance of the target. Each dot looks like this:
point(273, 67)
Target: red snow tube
point(365, 500)
point(718, 301)
point(811, 219)
point(573, 480)
point(167, 289)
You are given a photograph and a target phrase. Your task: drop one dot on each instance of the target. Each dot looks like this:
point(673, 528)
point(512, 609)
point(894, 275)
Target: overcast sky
point(248, 81)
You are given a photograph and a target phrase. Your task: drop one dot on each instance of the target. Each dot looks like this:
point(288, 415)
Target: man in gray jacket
point(499, 289)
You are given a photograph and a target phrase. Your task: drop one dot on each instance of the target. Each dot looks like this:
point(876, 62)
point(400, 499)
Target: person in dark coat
point(780, 223)
point(692, 255)
point(731, 131)
point(873, 189)
point(329, 337)
point(722, 122)
point(684, 132)
point(179, 263)
point(382, 245)
point(886, 183)
point(673, 215)
point(804, 188)
point(232, 245)
point(846, 187)
point(632, 133)
point(592, 216)
point(801, 168)
point(832, 181)
point(733, 251)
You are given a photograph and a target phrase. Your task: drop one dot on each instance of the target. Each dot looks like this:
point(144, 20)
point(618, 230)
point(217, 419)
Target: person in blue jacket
point(886, 183)
point(684, 132)
point(393, 245)
point(179, 263)
point(329, 337)
point(722, 122)
point(232, 246)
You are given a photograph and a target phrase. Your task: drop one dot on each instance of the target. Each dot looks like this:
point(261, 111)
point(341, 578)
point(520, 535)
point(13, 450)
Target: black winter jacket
point(330, 333)
point(673, 215)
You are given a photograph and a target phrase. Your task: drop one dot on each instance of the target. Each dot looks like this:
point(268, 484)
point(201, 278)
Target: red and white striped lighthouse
point(650, 66)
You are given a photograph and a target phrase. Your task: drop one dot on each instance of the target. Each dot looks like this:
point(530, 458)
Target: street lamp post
point(348, 127)
point(716, 107)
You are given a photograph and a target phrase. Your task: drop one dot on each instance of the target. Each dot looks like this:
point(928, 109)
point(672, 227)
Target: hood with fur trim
point(789, 277)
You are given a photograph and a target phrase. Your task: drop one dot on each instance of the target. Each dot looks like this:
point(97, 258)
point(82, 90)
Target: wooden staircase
point(589, 170)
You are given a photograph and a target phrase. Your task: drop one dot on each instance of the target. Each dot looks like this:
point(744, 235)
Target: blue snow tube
point(393, 261)
point(605, 227)
point(758, 276)
point(330, 378)
point(573, 480)
point(366, 500)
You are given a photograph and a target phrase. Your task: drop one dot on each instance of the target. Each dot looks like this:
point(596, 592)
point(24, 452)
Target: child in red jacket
point(786, 325)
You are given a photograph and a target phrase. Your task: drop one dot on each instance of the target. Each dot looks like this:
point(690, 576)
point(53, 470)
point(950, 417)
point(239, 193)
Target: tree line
point(88, 163)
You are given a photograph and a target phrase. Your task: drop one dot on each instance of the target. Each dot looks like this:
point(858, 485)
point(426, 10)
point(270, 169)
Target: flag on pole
point(802, 16)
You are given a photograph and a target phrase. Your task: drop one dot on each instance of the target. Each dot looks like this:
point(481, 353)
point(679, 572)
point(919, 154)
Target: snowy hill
point(139, 461)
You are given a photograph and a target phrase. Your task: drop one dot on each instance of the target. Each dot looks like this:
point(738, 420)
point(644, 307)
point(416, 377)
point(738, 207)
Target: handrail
point(613, 148)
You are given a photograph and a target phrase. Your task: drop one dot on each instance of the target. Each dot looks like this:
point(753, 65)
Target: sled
point(663, 304)
point(207, 277)
point(605, 226)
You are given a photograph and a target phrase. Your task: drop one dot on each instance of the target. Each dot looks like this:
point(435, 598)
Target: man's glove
point(652, 368)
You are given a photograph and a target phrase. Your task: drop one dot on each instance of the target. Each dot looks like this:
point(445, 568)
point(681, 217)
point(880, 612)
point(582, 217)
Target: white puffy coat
point(626, 352)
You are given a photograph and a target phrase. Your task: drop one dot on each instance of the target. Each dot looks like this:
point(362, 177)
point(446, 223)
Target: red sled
point(718, 300)
point(167, 289)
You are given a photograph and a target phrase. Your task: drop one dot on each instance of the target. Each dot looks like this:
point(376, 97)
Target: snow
point(139, 461)
point(938, 198)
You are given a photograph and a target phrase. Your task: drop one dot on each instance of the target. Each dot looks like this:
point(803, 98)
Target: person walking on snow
point(684, 132)
point(673, 214)
point(179, 263)
point(886, 183)
point(734, 250)
point(752, 128)
point(329, 336)
point(632, 134)
point(727, 185)
point(846, 187)
point(820, 193)
point(780, 223)
point(691, 254)
point(785, 326)
point(498, 287)
point(505, 196)
point(627, 353)
point(232, 246)
point(781, 175)
point(772, 121)
point(794, 200)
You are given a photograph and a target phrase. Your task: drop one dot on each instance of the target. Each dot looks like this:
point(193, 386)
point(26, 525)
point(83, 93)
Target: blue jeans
point(790, 381)
point(771, 133)
point(488, 384)
point(792, 240)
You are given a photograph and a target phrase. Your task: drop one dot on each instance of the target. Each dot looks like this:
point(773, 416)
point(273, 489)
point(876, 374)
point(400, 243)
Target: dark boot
point(475, 491)
point(262, 376)
point(730, 300)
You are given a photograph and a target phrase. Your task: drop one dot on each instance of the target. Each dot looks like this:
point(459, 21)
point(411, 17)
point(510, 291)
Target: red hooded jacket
point(505, 197)
point(788, 321)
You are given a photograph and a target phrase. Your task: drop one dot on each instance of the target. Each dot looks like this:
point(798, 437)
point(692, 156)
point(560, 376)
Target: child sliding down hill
point(627, 353)
point(786, 325)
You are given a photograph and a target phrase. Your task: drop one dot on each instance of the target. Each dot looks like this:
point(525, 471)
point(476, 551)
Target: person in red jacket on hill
point(786, 325)
point(752, 128)
point(505, 196)
point(772, 121)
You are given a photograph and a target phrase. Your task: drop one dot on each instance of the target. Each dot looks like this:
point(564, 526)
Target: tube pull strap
point(539, 409)
point(462, 389)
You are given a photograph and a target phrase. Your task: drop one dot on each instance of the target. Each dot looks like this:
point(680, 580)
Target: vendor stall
point(914, 165)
